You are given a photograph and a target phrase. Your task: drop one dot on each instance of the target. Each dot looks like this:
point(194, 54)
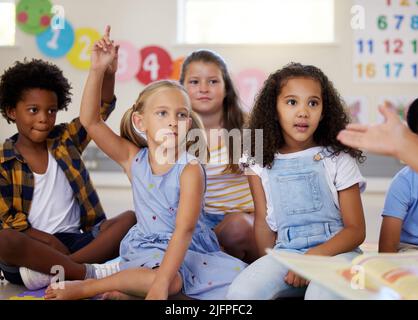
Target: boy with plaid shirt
point(50, 213)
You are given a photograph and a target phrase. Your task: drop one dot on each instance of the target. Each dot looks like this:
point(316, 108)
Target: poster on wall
point(358, 109)
point(385, 46)
point(249, 83)
point(400, 104)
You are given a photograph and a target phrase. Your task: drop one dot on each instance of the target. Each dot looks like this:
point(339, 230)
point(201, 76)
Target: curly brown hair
point(264, 114)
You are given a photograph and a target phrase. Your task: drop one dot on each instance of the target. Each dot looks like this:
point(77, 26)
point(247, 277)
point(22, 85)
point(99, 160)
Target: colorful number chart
point(386, 48)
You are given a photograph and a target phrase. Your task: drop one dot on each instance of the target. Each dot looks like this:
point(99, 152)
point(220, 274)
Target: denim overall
point(304, 209)
point(305, 215)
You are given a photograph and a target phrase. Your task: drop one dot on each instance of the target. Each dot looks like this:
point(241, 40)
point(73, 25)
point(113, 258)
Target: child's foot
point(117, 295)
point(72, 290)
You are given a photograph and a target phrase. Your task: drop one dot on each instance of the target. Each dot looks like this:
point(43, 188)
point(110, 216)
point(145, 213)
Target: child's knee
point(10, 242)
point(176, 285)
point(237, 230)
point(124, 220)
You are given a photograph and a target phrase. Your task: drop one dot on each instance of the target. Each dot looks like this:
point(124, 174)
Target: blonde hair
point(129, 132)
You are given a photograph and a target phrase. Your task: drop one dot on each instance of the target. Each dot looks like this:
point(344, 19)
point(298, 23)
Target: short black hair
point(34, 74)
point(412, 116)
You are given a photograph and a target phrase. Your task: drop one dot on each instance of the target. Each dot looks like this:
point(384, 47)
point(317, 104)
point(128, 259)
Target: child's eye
point(52, 111)
point(33, 110)
point(214, 81)
point(313, 103)
point(291, 102)
point(183, 115)
point(162, 113)
point(193, 82)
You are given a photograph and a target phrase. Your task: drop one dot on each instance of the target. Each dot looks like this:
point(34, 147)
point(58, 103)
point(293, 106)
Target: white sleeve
point(348, 173)
point(249, 168)
point(342, 173)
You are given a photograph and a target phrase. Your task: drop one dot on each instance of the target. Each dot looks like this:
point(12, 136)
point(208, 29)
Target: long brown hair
point(233, 116)
point(127, 130)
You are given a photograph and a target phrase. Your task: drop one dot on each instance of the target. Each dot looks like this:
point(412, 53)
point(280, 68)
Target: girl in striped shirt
point(229, 206)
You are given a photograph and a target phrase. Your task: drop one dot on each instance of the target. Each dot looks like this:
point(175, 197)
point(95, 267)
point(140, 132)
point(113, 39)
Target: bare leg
point(18, 249)
point(117, 295)
point(106, 245)
point(133, 282)
point(236, 236)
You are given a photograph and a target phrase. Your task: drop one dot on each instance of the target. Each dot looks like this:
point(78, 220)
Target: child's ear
point(138, 121)
point(11, 113)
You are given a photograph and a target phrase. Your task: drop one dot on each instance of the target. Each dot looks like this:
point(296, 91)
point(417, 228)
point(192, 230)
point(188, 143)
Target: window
point(7, 24)
point(255, 21)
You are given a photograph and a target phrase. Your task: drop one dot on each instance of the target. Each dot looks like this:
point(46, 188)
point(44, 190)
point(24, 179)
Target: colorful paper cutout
point(248, 84)
point(55, 43)
point(358, 109)
point(156, 65)
point(177, 64)
point(400, 105)
point(128, 61)
point(33, 17)
point(79, 55)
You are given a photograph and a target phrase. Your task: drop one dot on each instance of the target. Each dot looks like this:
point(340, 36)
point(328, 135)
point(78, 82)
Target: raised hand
point(104, 55)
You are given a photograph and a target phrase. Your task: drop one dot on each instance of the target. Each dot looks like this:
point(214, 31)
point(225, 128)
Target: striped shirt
point(225, 193)
point(66, 143)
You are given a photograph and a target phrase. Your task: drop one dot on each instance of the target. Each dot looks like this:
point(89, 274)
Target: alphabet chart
point(385, 47)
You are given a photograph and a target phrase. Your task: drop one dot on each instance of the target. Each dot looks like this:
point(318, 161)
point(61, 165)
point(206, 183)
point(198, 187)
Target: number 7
point(399, 22)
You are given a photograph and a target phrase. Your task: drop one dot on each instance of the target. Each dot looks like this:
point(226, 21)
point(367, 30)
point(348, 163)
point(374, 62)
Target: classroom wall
point(145, 22)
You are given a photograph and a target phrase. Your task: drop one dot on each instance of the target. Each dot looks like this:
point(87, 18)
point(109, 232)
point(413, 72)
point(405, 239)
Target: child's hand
point(104, 55)
point(292, 279)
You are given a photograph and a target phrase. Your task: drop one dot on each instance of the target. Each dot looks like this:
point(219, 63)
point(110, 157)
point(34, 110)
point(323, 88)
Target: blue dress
point(206, 271)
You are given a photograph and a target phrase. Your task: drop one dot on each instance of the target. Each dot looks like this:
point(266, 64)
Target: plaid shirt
point(66, 142)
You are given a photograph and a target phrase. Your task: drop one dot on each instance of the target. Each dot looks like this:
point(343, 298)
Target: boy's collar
point(9, 151)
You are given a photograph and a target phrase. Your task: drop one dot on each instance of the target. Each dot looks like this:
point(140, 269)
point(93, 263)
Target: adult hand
point(382, 138)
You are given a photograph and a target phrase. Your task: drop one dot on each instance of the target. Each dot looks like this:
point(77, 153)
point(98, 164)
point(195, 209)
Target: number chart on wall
point(386, 47)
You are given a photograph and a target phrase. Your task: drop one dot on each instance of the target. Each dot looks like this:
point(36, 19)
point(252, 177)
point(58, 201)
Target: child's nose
point(43, 117)
point(303, 111)
point(203, 87)
point(173, 122)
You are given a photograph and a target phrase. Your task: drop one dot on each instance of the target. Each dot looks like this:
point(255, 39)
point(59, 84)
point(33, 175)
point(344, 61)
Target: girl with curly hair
point(306, 188)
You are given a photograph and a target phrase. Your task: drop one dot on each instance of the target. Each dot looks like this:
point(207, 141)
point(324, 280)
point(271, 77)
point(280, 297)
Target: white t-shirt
point(54, 207)
point(342, 172)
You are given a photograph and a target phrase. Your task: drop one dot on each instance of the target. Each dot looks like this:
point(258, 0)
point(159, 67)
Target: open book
point(368, 276)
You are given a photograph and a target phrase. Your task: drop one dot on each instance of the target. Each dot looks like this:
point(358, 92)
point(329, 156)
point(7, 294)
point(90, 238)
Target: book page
point(335, 274)
point(398, 271)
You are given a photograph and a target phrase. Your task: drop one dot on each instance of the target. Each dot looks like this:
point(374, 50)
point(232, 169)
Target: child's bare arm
point(390, 234)
point(117, 148)
point(354, 230)
point(190, 204)
point(264, 236)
